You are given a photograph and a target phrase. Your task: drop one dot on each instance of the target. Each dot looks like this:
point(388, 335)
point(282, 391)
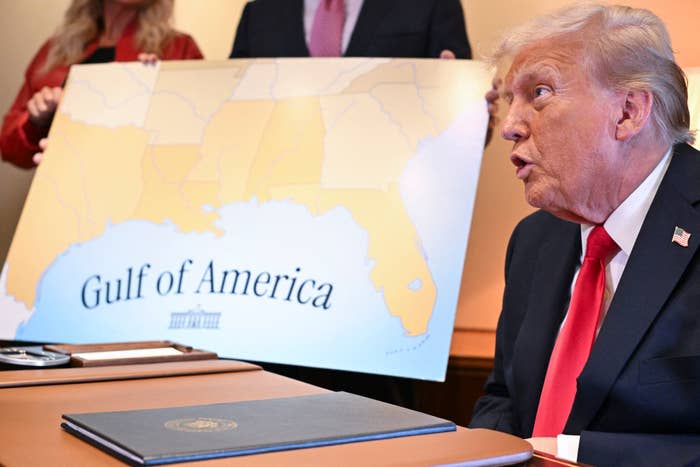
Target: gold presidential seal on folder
point(201, 424)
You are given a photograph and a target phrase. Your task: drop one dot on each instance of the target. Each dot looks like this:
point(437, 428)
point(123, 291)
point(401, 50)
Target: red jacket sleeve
point(182, 47)
point(20, 138)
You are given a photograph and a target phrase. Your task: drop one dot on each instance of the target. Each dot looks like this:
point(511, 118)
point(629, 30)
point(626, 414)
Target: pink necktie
point(327, 30)
point(576, 338)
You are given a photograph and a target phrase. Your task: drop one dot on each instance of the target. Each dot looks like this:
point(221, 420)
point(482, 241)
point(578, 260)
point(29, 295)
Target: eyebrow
point(535, 72)
point(507, 94)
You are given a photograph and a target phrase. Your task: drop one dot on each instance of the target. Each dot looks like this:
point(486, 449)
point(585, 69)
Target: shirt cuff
point(567, 447)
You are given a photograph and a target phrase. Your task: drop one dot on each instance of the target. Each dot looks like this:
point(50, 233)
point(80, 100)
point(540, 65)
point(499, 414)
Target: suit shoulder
point(541, 223)
point(263, 5)
point(683, 173)
point(270, 15)
point(689, 156)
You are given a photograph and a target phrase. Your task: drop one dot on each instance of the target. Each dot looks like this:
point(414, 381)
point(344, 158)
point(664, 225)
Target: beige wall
point(25, 24)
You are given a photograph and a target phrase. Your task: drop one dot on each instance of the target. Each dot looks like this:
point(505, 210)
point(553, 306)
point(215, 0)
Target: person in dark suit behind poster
point(372, 28)
point(599, 121)
point(380, 28)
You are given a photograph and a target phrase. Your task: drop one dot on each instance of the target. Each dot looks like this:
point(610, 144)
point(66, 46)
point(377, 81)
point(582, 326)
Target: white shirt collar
point(625, 222)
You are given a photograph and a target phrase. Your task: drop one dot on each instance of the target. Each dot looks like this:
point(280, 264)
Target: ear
point(636, 111)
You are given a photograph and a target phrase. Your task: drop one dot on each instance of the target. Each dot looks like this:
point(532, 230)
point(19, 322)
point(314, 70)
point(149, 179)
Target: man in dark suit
point(382, 28)
point(372, 28)
point(598, 355)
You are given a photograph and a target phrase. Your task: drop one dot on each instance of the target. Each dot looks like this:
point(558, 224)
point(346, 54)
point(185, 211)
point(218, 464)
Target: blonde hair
point(628, 48)
point(82, 24)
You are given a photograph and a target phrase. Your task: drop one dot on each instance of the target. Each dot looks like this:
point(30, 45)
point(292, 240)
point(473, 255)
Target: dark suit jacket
point(385, 28)
point(638, 397)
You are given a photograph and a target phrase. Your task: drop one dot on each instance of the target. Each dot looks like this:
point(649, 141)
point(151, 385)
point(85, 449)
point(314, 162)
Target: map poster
point(300, 211)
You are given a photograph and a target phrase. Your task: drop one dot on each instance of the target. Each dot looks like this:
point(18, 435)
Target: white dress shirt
point(623, 226)
point(352, 11)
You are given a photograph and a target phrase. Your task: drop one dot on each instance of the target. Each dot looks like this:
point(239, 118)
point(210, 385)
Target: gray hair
point(629, 48)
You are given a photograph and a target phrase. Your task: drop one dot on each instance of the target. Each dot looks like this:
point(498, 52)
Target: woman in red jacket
point(93, 31)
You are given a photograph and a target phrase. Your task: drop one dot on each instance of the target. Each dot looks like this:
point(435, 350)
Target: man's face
point(562, 124)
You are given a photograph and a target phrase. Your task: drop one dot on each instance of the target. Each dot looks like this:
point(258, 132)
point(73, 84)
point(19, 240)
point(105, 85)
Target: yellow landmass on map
point(306, 195)
point(400, 103)
point(167, 196)
point(90, 177)
point(287, 166)
point(291, 149)
point(441, 99)
point(434, 95)
point(368, 156)
point(393, 245)
point(185, 97)
point(403, 104)
point(230, 146)
point(199, 194)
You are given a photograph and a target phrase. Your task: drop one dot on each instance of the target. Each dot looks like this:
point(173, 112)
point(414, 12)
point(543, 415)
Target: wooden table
point(32, 402)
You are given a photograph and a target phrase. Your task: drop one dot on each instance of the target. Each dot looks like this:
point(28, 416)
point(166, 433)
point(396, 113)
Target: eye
point(541, 91)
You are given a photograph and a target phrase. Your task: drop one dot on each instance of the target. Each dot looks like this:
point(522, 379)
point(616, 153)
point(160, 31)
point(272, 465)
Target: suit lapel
point(547, 304)
point(371, 14)
point(654, 268)
point(290, 31)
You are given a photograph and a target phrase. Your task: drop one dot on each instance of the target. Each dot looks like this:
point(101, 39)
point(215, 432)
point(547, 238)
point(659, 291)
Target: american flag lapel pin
point(680, 236)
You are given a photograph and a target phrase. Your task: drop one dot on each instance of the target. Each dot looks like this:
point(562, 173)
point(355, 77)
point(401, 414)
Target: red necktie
point(327, 30)
point(576, 338)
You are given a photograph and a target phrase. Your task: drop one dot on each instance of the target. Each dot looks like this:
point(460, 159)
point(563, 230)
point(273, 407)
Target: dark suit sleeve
point(448, 30)
point(639, 450)
point(495, 409)
point(241, 45)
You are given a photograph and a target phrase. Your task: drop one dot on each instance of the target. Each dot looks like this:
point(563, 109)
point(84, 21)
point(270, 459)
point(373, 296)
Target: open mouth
point(522, 166)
